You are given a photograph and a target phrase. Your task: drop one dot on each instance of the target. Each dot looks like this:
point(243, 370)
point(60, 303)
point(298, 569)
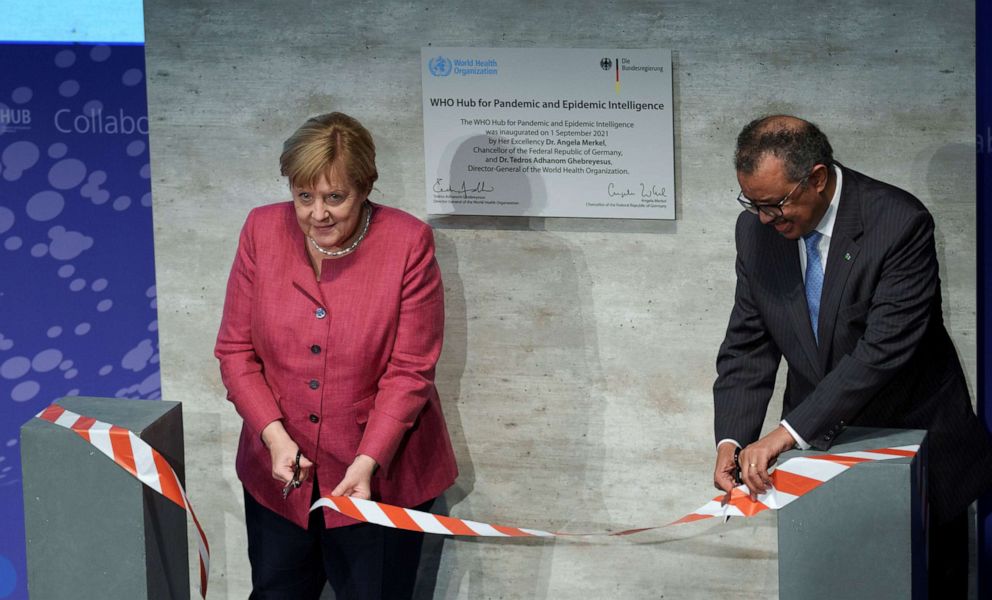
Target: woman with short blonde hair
point(332, 328)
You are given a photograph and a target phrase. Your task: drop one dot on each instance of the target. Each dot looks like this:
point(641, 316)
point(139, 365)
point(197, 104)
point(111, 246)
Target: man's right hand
point(723, 474)
point(282, 450)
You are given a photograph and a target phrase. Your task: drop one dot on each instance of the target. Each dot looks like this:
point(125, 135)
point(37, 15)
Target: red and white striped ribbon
point(388, 515)
point(136, 457)
point(794, 478)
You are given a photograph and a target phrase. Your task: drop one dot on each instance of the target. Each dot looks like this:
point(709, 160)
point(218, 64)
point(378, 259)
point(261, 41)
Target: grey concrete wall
point(579, 355)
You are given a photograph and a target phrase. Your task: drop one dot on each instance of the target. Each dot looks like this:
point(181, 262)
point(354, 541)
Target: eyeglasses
point(772, 210)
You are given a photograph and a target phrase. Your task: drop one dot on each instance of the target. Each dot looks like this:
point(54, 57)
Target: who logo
point(439, 66)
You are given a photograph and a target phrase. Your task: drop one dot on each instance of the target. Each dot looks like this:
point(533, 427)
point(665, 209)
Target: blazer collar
point(843, 252)
point(300, 268)
point(848, 221)
point(844, 249)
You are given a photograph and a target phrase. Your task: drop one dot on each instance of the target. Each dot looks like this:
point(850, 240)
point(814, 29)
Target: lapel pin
point(847, 256)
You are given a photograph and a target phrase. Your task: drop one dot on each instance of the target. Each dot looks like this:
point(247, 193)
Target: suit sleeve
point(408, 381)
point(747, 362)
point(898, 317)
point(240, 368)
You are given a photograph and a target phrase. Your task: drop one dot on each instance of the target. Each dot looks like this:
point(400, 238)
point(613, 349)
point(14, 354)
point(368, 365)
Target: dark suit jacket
point(884, 359)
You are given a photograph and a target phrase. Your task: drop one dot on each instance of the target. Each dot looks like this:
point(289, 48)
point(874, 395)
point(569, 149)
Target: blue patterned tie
point(814, 278)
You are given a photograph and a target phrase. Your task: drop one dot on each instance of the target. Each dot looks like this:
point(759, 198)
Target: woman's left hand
point(357, 482)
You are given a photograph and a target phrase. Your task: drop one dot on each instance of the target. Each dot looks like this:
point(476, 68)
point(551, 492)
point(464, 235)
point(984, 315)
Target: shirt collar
point(826, 225)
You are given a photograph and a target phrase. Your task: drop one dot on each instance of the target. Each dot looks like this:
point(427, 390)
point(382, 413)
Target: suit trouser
point(948, 559)
point(361, 562)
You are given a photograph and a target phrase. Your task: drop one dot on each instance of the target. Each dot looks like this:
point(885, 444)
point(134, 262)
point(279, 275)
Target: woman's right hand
point(282, 451)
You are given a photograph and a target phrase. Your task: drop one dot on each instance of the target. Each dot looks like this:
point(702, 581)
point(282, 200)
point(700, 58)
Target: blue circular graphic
point(15, 367)
point(57, 150)
point(6, 219)
point(69, 88)
point(135, 148)
point(22, 95)
point(17, 158)
point(25, 391)
point(132, 77)
point(100, 53)
point(46, 360)
point(439, 66)
point(65, 59)
point(67, 174)
point(45, 205)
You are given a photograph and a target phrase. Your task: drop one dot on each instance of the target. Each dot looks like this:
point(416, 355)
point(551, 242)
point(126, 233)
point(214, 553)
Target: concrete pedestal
point(862, 534)
point(93, 530)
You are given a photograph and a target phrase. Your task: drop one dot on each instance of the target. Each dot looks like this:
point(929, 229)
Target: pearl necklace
point(351, 248)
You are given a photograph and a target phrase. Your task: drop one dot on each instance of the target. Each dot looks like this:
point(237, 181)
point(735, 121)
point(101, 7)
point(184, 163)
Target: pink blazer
point(347, 362)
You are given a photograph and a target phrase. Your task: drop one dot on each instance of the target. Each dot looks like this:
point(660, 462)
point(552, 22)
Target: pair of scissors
point(295, 481)
point(737, 466)
point(737, 477)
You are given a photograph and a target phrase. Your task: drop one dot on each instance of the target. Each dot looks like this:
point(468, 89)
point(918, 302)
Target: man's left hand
point(758, 457)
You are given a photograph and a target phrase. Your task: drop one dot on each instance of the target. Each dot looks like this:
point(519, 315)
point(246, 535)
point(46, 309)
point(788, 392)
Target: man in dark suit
point(838, 274)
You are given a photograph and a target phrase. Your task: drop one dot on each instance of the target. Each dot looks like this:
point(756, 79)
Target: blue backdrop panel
point(77, 284)
point(983, 96)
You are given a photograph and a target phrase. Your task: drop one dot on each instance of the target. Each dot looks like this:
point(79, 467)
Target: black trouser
point(361, 562)
point(947, 571)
